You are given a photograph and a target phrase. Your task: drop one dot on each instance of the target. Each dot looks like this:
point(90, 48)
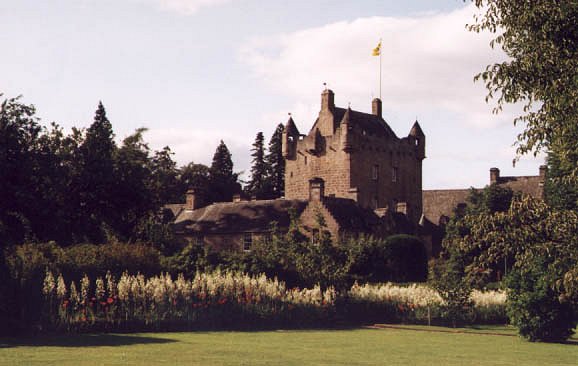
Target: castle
point(352, 171)
point(358, 156)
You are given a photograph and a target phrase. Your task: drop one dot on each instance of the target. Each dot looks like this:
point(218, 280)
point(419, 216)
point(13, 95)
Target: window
point(315, 236)
point(375, 172)
point(247, 242)
point(394, 174)
point(374, 203)
point(305, 160)
point(199, 240)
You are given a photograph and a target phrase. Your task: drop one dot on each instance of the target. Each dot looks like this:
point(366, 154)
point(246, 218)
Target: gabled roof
point(236, 217)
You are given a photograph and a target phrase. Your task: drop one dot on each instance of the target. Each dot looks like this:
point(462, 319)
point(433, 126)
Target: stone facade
point(359, 157)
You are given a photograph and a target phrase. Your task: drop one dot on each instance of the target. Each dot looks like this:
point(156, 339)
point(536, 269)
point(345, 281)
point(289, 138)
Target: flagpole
point(380, 69)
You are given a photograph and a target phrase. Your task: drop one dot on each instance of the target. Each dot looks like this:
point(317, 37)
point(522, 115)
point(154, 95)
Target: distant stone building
point(350, 171)
point(439, 204)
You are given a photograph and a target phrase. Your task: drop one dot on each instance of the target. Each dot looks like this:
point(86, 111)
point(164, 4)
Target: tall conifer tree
point(276, 164)
point(96, 182)
point(223, 182)
point(257, 184)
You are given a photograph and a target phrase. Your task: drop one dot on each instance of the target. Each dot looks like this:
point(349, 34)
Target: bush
point(96, 260)
point(406, 258)
point(535, 309)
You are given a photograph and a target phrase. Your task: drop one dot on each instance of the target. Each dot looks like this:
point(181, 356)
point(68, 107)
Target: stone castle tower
point(357, 156)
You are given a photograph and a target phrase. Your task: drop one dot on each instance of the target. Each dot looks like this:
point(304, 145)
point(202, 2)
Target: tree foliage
point(542, 245)
point(276, 164)
point(257, 186)
point(540, 39)
point(223, 181)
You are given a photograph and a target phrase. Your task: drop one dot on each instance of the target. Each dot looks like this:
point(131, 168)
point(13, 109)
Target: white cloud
point(428, 64)
point(185, 7)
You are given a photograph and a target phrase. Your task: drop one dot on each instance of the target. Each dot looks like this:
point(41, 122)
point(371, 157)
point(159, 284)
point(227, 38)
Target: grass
point(391, 346)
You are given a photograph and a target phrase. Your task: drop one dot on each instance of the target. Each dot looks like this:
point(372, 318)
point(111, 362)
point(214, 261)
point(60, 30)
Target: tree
point(223, 181)
point(96, 181)
point(543, 279)
point(559, 192)
point(164, 178)
point(194, 176)
point(276, 164)
point(257, 184)
point(133, 199)
point(541, 40)
point(19, 131)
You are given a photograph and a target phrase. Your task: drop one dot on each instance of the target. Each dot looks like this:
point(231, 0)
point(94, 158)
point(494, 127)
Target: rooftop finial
point(325, 86)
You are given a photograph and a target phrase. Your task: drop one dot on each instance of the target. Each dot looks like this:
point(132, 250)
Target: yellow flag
point(377, 50)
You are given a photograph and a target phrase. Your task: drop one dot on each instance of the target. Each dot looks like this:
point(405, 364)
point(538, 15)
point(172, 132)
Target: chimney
point(494, 175)
point(316, 189)
point(327, 100)
point(193, 199)
point(543, 171)
point(376, 107)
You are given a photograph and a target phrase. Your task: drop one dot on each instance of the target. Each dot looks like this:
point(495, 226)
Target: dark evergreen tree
point(276, 165)
point(222, 180)
point(257, 186)
point(96, 182)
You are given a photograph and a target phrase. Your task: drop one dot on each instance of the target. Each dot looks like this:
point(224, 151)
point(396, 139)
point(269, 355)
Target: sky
point(197, 71)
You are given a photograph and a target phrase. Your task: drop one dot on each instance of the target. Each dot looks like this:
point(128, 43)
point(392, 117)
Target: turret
point(418, 138)
point(346, 143)
point(290, 137)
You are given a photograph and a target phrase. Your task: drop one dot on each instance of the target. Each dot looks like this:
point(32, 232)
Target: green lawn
point(386, 346)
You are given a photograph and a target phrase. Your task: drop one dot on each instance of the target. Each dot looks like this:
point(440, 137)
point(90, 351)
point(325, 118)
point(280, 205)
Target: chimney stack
point(543, 171)
point(316, 189)
point(327, 100)
point(193, 199)
point(376, 107)
point(494, 175)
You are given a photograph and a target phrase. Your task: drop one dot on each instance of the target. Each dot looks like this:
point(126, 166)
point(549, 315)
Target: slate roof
point(349, 215)
point(372, 124)
point(257, 216)
point(235, 217)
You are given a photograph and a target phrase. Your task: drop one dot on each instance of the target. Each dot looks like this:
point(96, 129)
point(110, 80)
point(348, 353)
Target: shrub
point(535, 309)
point(406, 258)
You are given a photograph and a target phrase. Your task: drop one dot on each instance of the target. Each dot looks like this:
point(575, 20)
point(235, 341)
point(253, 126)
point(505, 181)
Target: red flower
point(110, 300)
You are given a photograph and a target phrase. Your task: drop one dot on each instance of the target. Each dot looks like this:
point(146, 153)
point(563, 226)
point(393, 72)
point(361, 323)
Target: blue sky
point(197, 71)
